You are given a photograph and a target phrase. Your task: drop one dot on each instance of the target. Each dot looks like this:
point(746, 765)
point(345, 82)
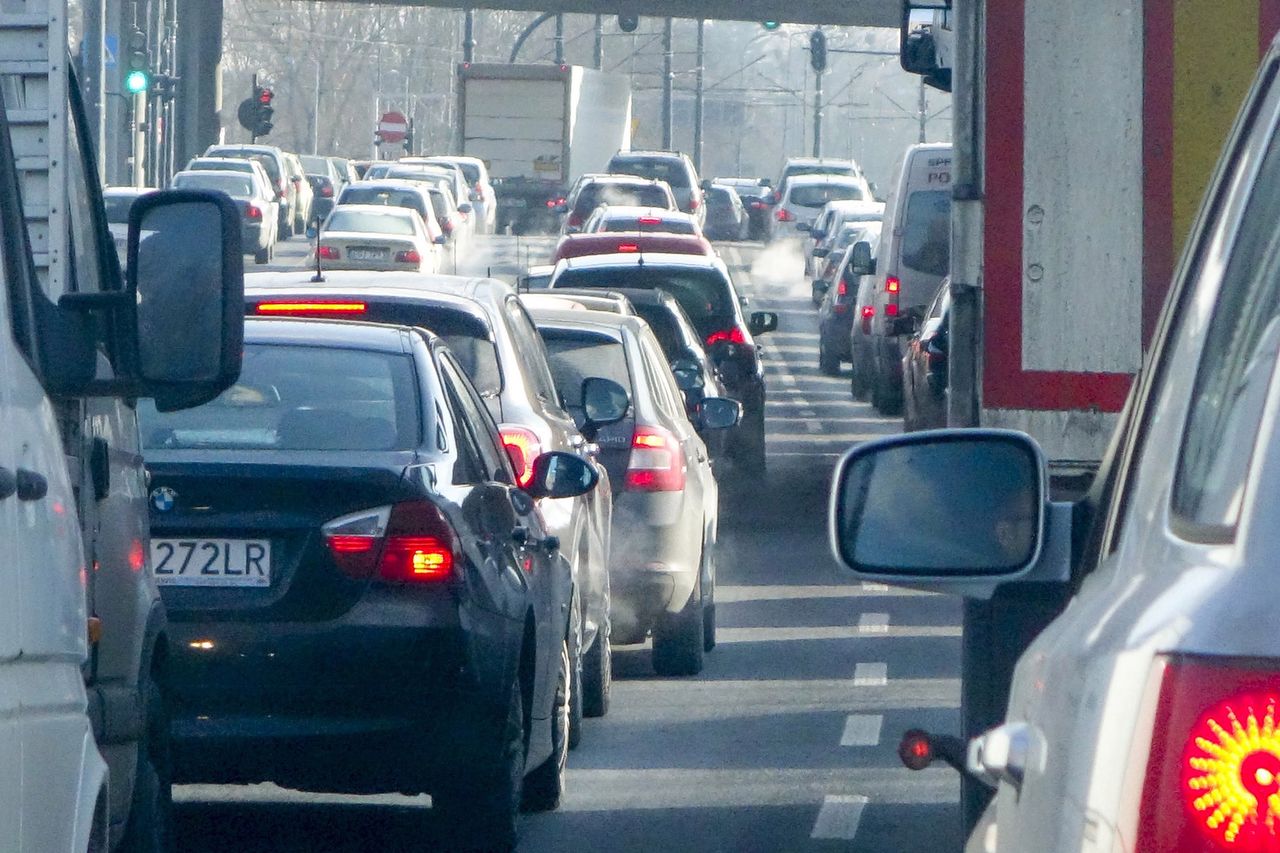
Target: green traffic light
point(137, 81)
point(771, 25)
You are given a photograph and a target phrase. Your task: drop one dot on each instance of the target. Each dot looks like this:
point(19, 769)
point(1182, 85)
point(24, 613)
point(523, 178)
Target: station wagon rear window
point(621, 195)
point(231, 183)
point(817, 195)
point(674, 173)
point(292, 397)
point(369, 223)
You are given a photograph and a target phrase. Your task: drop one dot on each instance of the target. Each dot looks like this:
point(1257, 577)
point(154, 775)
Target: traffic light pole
point(253, 136)
point(817, 113)
point(139, 138)
point(668, 77)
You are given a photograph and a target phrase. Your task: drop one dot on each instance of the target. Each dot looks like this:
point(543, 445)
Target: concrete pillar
point(200, 69)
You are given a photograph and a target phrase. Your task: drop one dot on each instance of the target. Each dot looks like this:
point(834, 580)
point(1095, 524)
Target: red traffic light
point(265, 96)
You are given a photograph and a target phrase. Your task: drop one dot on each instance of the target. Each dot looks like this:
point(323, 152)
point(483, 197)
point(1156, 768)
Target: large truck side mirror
point(925, 40)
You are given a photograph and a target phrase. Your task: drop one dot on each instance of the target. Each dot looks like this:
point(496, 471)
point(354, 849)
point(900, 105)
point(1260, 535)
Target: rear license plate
point(369, 255)
point(211, 562)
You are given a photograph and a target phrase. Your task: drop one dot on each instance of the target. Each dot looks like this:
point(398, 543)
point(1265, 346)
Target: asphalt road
point(786, 741)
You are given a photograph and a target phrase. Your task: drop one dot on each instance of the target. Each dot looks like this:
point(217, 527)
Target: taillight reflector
point(311, 307)
point(656, 463)
point(409, 257)
point(784, 215)
point(329, 253)
point(733, 336)
point(410, 542)
point(523, 446)
point(253, 212)
point(1213, 773)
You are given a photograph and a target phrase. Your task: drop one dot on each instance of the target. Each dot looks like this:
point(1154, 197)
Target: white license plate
point(369, 255)
point(211, 562)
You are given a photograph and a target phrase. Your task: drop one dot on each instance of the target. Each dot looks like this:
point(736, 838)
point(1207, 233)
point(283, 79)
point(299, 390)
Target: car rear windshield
point(671, 171)
point(367, 222)
point(388, 197)
point(649, 195)
point(231, 183)
point(575, 356)
point(817, 195)
point(268, 162)
point(230, 164)
point(648, 223)
point(293, 397)
point(704, 294)
point(926, 232)
point(467, 337)
point(821, 169)
point(118, 207)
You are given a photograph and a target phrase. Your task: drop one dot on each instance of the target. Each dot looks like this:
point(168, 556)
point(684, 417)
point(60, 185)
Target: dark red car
point(924, 367)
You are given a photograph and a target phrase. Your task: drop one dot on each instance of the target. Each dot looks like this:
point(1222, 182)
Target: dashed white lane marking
point(873, 623)
point(871, 675)
point(839, 816)
point(862, 730)
point(869, 586)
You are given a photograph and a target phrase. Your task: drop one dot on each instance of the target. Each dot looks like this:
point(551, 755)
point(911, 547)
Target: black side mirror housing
point(561, 475)
point(820, 251)
point(604, 402)
point(762, 321)
point(860, 260)
point(906, 325)
point(719, 413)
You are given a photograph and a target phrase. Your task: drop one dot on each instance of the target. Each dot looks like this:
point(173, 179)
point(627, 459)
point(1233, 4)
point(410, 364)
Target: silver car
point(258, 213)
point(666, 506)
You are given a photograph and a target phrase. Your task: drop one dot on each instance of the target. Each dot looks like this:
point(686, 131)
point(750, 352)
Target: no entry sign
point(393, 126)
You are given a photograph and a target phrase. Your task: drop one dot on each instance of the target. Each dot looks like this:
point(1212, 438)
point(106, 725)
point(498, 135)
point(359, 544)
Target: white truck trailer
point(539, 128)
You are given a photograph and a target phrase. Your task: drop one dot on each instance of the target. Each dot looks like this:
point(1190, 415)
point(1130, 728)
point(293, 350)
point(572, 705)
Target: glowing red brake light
point(892, 284)
point(656, 463)
point(253, 212)
point(326, 191)
point(410, 542)
point(311, 308)
point(842, 289)
point(555, 202)
point(628, 247)
point(329, 253)
point(694, 204)
point(523, 446)
point(409, 257)
point(1213, 775)
point(784, 215)
point(733, 336)
point(650, 220)
point(868, 311)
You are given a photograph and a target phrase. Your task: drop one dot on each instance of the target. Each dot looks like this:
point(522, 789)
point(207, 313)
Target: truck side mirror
point(186, 285)
point(860, 260)
point(918, 51)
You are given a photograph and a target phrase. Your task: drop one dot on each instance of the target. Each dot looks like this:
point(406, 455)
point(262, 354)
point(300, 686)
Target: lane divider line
point(871, 675)
point(868, 586)
point(839, 816)
point(873, 623)
point(862, 730)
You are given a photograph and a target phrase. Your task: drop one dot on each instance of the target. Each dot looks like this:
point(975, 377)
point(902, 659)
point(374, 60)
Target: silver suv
point(673, 167)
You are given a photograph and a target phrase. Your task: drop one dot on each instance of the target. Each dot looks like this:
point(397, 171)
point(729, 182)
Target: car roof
point(403, 287)
point(245, 146)
point(621, 179)
point(645, 259)
point(336, 334)
point(124, 192)
point(479, 289)
point(381, 209)
point(588, 321)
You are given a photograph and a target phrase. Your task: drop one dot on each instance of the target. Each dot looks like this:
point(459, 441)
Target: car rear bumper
point(254, 235)
point(654, 569)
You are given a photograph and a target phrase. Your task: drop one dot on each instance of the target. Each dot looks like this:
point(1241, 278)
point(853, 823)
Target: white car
point(119, 201)
point(1143, 718)
point(375, 237)
point(482, 195)
point(804, 196)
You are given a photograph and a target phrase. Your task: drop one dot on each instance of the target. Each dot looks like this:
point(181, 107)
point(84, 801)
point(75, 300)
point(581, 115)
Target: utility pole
point(598, 55)
point(469, 36)
point(668, 77)
point(817, 113)
point(559, 39)
point(698, 100)
point(95, 13)
point(924, 113)
point(315, 116)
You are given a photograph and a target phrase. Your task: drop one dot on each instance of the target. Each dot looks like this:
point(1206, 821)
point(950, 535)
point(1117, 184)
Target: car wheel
point(858, 383)
point(815, 295)
point(885, 400)
point(828, 362)
point(678, 639)
point(597, 676)
point(151, 814)
point(482, 814)
point(709, 621)
point(748, 454)
point(544, 787)
point(262, 256)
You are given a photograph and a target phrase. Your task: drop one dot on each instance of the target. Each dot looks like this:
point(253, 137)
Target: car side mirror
point(188, 295)
point(561, 475)
point(688, 374)
point(907, 325)
point(860, 260)
point(821, 286)
point(719, 413)
point(560, 208)
point(440, 240)
point(762, 321)
point(804, 226)
point(604, 402)
point(1005, 529)
point(465, 207)
point(817, 233)
point(820, 251)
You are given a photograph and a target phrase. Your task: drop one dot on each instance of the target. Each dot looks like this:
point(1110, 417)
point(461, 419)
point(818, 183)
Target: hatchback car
point(804, 197)
point(830, 224)
point(706, 292)
point(258, 218)
point(495, 342)
point(673, 168)
point(335, 539)
point(477, 174)
point(666, 513)
point(277, 168)
point(829, 259)
point(757, 198)
point(616, 190)
point(376, 237)
point(727, 217)
point(836, 311)
point(403, 194)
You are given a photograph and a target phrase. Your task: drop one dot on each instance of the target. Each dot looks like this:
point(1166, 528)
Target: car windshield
point(233, 184)
point(704, 294)
point(299, 398)
point(818, 195)
point(656, 168)
point(577, 355)
point(926, 232)
point(370, 222)
point(315, 165)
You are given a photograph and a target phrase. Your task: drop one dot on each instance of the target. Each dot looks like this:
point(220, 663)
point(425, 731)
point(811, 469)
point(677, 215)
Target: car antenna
point(318, 278)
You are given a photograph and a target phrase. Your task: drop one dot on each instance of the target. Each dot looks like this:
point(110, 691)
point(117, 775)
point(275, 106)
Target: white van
point(914, 257)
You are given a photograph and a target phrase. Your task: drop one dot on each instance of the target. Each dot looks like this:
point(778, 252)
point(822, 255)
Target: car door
point(1167, 539)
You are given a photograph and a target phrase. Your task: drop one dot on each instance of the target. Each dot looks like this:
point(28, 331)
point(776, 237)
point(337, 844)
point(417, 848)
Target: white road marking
point(874, 623)
point(868, 586)
point(839, 816)
point(871, 675)
point(862, 730)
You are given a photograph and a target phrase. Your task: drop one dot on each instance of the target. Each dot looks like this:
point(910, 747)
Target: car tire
point(482, 814)
point(544, 786)
point(678, 639)
point(597, 676)
point(150, 825)
point(709, 620)
point(262, 256)
point(828, 362)
point(884, 399)
point(749, 456)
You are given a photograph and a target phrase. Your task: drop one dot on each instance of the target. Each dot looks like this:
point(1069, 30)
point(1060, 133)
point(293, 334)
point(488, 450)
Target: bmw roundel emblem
point(163, 498)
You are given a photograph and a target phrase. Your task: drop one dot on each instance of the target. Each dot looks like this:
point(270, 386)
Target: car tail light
point(649, 220)
point(326, 191)
point(311, 308)
point(575, 220)
point(447, 226)
point(657, 462)
point(329, 253)
point(523, 446)
point(1213, 774)
point(892, 286)
point(408, 257)
point(842, 289)
point(784, 215)
point(410, 542)
point(868, 311)
point(758, 205)
point(694, 203)
point(253, 212)
point(733, 336)
point(628, 247)
point(555, 202)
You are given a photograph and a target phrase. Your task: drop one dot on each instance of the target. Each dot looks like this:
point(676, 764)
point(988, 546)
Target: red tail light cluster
point(555, 202)
point(694, 204)
point(784, 215)
point(1213, 774)
point(329, 253)
point(657, 462)
point(326, 191)
point(253, 213)
point(410, 542)
point(892, 286)
point(523, 446)
point(408, 257)
point(868, 311)
point(733, 336)
point(758, 205)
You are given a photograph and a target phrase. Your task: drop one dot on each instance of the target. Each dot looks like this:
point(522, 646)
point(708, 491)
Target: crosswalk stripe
point(862, 730)
point(839, 816)
point(871, 675)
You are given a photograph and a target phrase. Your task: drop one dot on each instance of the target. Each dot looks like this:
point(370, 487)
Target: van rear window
point(926, 232)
